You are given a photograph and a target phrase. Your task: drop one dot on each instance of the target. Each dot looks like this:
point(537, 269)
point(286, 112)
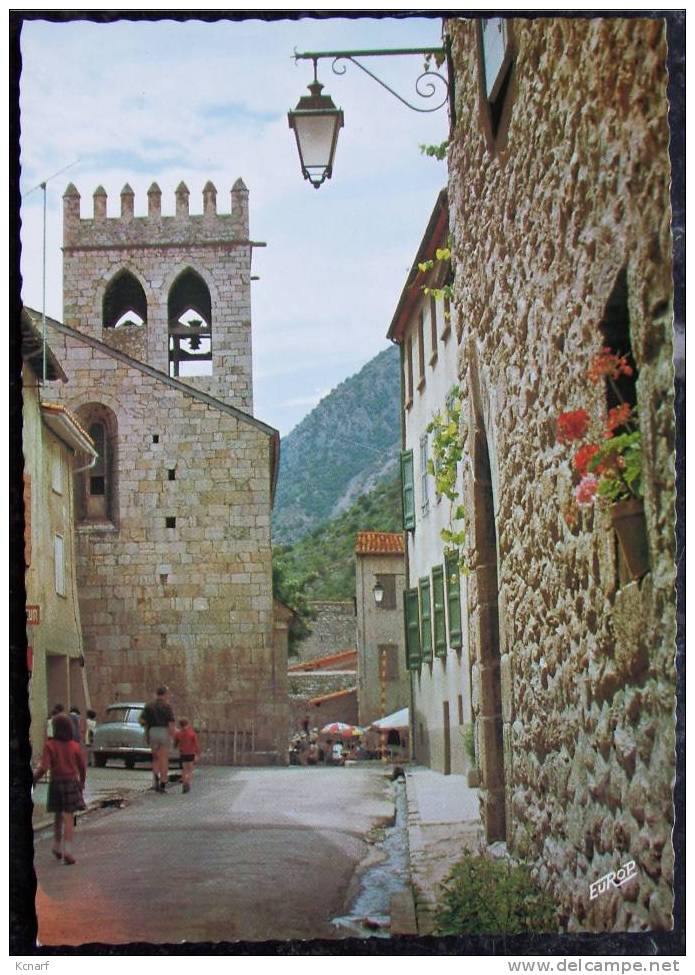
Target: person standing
point(158, 719)
point(57, 709)
point(76, 724)
point(62, 756)
point(186, 740)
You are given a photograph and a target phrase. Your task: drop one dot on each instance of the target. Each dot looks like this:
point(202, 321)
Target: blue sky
point(136, 102)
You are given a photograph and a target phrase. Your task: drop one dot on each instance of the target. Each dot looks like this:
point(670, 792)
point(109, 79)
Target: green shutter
point(453, 598)
point(408, 489)
point(425, 619)
point(412, 629)
point(438, 610)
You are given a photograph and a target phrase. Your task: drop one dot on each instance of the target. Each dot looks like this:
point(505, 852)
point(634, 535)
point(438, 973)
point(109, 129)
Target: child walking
point(62, 756)
point(186, 741)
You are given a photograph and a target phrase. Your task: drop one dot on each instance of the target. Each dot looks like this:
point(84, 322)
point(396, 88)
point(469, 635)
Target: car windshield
point(134, 715)
point(116, 714)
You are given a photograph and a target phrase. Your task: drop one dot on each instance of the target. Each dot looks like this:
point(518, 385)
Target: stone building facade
point(383, 681)
point(173, 522)
point(560, 220)
point(55, 445)
point(424, 326)
point(331, 629)
point(323, 689)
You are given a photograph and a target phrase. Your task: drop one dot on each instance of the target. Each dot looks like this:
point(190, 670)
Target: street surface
point(248, 854)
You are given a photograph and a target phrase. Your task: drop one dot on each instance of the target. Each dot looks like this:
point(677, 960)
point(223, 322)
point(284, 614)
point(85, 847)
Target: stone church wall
point(174, 566)
point(574, 190)
point(188, 606)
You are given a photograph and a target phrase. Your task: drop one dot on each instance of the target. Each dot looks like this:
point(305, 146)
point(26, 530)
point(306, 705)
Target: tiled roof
point(318, 663)
point(61, 410)
point(331, 697)
point(379, 543)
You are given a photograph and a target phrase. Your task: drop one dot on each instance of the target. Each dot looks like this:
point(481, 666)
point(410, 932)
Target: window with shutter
point(412, 629)
point(425, 619)
point(439, 611)
point(388, 584)
point(59, 564)
point(408, 490)
point(453, 598)
point(424, 482)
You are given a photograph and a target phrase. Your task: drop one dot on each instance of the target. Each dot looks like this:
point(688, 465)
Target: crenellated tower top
point(182, 228)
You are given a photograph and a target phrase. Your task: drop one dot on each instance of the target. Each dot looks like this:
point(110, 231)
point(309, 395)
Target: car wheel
point(100, 761)
point(130, 763)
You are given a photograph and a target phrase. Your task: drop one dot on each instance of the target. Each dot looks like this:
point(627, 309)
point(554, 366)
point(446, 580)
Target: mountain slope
point(322, 563)
point(347, 444)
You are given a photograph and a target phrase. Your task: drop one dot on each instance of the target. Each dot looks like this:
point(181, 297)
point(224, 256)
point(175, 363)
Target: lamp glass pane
point(315, 137)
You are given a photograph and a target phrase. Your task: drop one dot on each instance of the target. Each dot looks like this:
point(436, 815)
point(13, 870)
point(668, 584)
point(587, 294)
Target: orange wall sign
point(33, 615)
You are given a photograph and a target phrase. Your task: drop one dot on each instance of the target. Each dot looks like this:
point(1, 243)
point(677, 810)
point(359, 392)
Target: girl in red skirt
point(62, 756)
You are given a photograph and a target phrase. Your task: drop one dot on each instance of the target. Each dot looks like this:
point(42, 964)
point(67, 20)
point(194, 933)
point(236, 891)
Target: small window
point(155, 438)
point(170, 522)
point(409, 372)
point(388, 584)
point(59, 559)
point(421, 348)
point(433, 328)
point(424, 475)
point(172, 473)
point(57, 472)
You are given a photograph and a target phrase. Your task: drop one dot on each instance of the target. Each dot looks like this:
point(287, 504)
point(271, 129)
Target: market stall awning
point(396, 721)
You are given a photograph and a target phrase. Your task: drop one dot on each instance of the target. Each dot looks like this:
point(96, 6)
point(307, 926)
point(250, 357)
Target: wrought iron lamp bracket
point(426, 84)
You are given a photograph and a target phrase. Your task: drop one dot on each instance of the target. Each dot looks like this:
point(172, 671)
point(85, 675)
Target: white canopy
point(399, 719)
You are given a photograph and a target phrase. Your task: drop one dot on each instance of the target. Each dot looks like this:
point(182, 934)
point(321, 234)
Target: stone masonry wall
point(333, 630)
point(156, 249)
point(575, 190)
point(190, 606)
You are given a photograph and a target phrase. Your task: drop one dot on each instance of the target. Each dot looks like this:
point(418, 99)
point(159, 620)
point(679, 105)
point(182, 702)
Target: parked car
point(121, 735)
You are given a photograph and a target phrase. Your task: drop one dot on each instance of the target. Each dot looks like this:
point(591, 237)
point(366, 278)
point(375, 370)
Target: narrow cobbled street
point(249, 855)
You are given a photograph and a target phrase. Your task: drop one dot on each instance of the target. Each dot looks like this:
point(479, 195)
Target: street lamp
point(316, 121)
point(378, 592)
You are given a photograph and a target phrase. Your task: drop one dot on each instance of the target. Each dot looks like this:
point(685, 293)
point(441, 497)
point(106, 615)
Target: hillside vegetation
point(346, 446)
point(322, 564)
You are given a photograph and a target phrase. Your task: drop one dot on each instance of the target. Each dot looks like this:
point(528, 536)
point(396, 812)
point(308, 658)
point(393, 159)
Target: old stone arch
point(96, 487)
point(484, 613)
point(490, 726)
point(189, 314)
point(124, 301)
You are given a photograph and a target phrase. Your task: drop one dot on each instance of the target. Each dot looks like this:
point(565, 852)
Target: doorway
point(490, 731)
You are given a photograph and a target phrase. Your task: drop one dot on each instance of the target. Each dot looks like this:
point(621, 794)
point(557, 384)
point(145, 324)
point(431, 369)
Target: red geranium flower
point(583, 457)
point(618, 416)
point(610, 364)
point(572, 426)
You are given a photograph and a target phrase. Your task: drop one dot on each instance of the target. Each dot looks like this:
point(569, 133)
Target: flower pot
point(473, 778)
point(631, 528)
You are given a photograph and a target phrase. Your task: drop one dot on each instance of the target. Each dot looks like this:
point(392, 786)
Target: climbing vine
point(447, 452)
point(447, 289)
point(437, 151)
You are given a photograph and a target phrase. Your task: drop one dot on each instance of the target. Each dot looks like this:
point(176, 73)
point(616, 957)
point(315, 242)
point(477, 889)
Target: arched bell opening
point(190, 326)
